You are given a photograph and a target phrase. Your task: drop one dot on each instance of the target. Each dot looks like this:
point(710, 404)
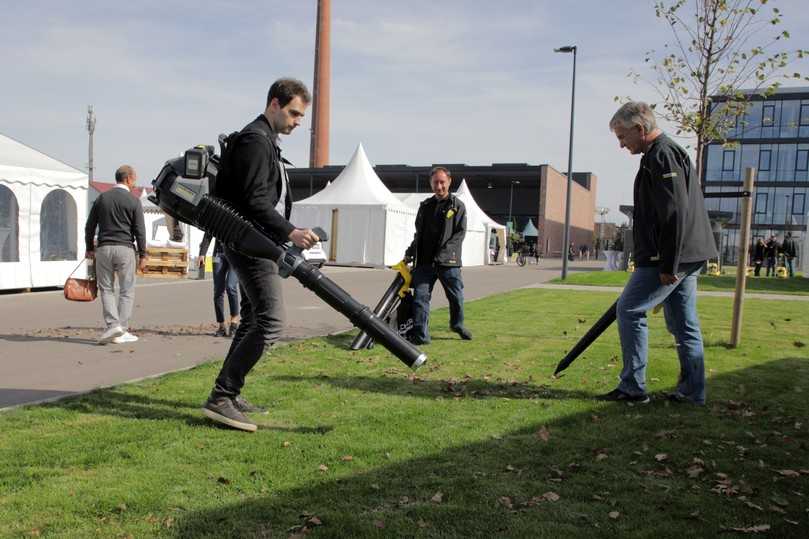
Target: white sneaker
point(111, 334)
point(125, 338)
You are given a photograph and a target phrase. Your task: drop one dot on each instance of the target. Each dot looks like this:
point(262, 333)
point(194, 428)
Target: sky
point(417, 82)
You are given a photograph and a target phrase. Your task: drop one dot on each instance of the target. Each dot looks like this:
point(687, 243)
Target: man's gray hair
point(436, 170)
point(123, 173)
point(634, 113)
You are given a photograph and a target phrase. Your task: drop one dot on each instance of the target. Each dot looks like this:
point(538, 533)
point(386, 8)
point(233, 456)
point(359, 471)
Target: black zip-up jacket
point(253, 179)
point(119, 218)
point(789, 248)
point(671, 225)
point(758, 252)
point(448, 247)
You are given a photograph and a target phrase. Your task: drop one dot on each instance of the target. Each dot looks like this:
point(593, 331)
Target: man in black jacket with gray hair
point(436, 249)
point(672, 240)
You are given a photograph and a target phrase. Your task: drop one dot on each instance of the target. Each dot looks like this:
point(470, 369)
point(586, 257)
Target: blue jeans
point(224, 279)
point(643, 292)
point(424, 278)
point(788, 263)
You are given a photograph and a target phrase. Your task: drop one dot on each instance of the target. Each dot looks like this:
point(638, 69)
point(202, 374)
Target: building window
point(57, 227)
point(761, 203)
point(768, 116)
point(9, 226)
point(804, 114)
point(799, 204)
point(728, 159)
point(764, 158)
point(802, 161)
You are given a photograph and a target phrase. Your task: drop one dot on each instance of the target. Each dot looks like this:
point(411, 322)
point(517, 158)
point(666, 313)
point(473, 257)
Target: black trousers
point(262, 321)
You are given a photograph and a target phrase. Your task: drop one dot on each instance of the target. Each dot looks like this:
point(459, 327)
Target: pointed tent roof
point(19, 162)
point(473, 212)
point(357, 185)
point(530, 229)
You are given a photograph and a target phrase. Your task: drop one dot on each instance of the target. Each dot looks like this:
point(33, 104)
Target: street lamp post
point(566, 234)
point(511, 199)
point(602, 211)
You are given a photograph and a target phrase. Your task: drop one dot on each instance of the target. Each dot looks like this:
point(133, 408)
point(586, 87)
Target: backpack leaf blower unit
point(182, 190)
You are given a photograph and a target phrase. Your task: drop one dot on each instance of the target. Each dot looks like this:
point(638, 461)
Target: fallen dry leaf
point(286, 444)
point(694, 471)
point(505, 501)
point(421, 523)
point(660, 457)
point(438, 497)
point(789, 473)
point(346, 458)
point(614, 515)
point(323, 468)
point(314, 521)
point(551, 496)
point(754, 506)
point(543, 433)
point(760, 528)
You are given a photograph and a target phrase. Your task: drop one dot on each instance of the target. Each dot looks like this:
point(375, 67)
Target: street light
point(511, 199)
point(602, 211)
point(566, 234)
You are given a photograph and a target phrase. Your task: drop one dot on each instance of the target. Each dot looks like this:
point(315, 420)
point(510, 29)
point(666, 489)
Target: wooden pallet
point(168, 262)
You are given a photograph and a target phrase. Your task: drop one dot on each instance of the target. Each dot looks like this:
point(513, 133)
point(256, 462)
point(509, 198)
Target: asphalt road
point(48, 345)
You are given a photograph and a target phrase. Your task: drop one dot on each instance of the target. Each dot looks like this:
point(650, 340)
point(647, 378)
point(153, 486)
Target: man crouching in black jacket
point(254, 180)
point(436, 248)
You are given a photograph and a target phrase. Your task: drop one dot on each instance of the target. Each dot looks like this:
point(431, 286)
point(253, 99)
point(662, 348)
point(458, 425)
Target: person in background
point(436, 253)
point(770, 254)
point(224, 280)
point(757, 255)
point(119, 218)
point(790, 251)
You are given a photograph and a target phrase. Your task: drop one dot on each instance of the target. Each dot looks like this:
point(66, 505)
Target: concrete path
point(48, 345)
point(707, 293)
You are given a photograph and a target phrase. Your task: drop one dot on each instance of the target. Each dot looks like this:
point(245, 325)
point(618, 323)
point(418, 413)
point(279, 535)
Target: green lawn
point(796, 285)
point(481, 442)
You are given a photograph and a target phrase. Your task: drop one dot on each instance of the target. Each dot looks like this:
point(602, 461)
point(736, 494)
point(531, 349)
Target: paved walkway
point(48, 345)
point(707, 293)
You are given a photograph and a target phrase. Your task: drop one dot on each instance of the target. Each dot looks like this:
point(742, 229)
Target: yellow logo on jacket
point(450, 213)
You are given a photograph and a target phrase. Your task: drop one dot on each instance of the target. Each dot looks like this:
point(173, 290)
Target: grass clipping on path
point(482, 442)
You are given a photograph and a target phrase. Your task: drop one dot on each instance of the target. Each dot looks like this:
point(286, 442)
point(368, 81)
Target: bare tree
point(715, 52)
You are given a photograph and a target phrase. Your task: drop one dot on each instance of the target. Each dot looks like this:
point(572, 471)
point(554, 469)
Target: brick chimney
point(319, 144)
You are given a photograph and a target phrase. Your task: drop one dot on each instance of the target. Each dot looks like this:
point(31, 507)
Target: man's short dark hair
point(286, 89)
point(123, 172)
point(436, 170)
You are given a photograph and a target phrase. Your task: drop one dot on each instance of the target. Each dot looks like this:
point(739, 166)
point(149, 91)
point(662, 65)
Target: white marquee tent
point(482, 233)
point(43, 208)
point(367, 224)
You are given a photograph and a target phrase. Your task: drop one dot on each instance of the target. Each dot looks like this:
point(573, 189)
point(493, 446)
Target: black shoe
point(247, 407)
point(679, 398)
point(224, 411)
point(418, 340)
point(618, 395)
point(221, 332)
point(463, 332)
point(233, 327)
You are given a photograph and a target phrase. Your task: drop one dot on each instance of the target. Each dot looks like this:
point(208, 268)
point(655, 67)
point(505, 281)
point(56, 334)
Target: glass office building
point(772, 137)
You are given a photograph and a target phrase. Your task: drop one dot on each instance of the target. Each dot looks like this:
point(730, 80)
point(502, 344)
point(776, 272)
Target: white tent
point(483, 234)
point(367, 224)
point(43, 208)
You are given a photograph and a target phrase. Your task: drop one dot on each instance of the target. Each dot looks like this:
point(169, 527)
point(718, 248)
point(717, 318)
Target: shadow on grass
point(631, 462)
point(116, 403)
point(430, 389)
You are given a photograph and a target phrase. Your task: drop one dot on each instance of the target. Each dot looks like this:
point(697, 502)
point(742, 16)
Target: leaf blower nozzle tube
point(188, 200)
